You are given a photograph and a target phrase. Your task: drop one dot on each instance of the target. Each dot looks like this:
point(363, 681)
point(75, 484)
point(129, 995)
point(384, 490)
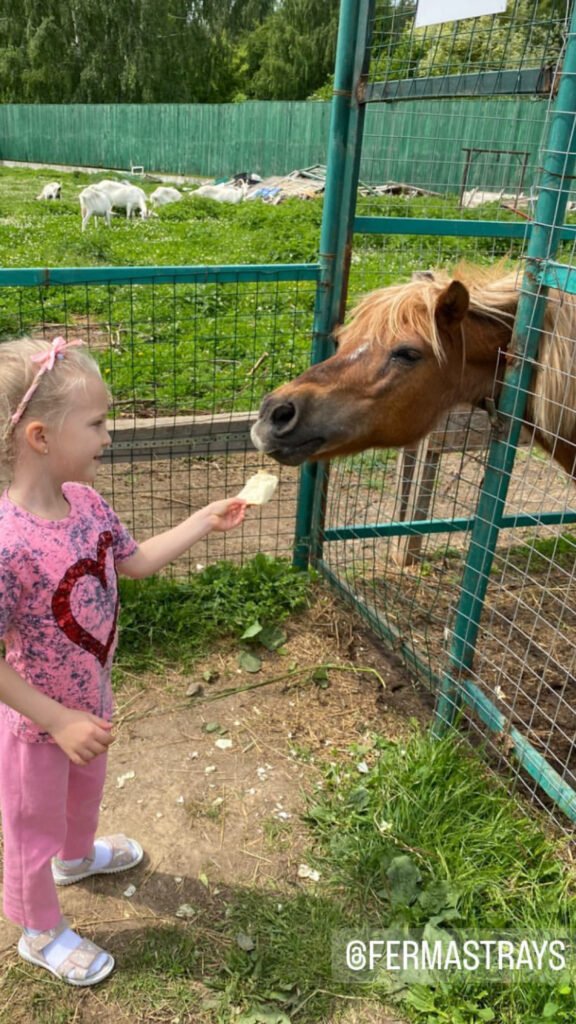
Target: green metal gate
point(514, 551)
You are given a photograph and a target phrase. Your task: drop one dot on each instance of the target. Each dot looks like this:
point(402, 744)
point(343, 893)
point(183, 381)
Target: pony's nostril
point(283, 415)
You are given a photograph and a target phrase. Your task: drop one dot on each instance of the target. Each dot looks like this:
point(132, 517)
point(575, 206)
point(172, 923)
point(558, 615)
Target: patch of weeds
point(159, 976)
point(289, 966)
point(445, 554)
point(537, 555)
point(300, 752)
point(270, 637)
point(211, 808)
point(426, 839)
point(372, 468)
point(277, 833)
point(165, 952)
point(174, 621)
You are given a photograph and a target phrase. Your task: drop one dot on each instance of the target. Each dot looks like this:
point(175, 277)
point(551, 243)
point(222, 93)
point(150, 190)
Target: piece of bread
point(259, 488)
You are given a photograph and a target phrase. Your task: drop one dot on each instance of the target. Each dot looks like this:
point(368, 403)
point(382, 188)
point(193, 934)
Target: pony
point(409, 354)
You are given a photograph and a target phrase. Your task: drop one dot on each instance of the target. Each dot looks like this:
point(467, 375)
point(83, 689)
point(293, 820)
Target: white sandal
point(125, 854)
point(74, 968)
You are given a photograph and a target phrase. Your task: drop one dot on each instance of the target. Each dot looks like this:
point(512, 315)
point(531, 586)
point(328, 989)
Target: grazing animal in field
point(223, 193)
point(248, 178)
point(125, 196)
point(52, 190)
point(94, 203)
point(164, 195)
point(409, 354)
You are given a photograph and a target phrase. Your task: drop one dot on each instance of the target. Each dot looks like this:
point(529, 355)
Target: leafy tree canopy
point(216, 51)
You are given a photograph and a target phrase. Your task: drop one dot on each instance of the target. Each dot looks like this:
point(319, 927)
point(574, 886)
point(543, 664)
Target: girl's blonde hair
point(50, 400)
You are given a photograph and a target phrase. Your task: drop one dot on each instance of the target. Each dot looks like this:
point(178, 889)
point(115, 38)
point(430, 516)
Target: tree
point(93, 51)
point(292, 53)
point(527, 34)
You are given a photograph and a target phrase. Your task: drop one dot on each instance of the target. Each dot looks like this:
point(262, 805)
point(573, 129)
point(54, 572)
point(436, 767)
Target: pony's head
point(409, 354)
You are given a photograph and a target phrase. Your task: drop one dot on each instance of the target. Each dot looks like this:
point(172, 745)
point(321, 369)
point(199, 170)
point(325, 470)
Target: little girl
point(61, 547)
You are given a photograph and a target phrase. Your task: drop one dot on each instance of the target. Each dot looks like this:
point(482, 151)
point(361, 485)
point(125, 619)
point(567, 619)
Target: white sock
point(65, 943)
point(102, 856)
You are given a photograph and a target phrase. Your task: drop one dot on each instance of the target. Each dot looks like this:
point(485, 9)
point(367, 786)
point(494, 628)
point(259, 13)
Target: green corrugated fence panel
point(211, 139)
point(404, 141)
point(413, 141)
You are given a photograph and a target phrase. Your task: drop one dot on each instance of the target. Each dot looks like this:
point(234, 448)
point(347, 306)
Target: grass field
point(154, 341)
point(165, 342)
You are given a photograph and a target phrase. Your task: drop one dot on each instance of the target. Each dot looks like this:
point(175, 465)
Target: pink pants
point(49, 808)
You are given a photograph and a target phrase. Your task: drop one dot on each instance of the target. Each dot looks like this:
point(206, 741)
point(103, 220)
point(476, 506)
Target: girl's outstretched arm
point(81, 735)
point(156, 552)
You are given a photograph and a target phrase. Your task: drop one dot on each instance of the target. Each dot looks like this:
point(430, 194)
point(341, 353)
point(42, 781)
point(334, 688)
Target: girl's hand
point(225, 515)
point(81, 735)
point(156, 552)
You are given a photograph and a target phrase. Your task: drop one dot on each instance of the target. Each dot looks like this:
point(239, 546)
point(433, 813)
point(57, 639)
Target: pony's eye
point(406, 354)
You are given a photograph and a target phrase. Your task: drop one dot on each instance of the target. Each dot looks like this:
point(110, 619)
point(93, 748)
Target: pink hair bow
point(46, 360)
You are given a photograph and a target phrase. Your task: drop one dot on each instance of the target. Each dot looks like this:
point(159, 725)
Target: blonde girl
point(61, 547)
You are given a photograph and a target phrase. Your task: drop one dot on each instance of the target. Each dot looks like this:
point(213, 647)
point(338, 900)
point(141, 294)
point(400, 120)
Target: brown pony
point(409, 354)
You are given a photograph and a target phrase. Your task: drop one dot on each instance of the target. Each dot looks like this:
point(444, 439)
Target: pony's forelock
point(407, 310)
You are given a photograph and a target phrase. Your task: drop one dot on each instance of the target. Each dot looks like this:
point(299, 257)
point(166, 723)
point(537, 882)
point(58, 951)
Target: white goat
point(125, 196)
point(476, 197)
point(223, 193)
point(163, 195)
point(94, 203)
point(51, 191)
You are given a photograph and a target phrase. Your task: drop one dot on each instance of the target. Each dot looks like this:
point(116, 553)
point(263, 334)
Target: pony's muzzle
point(279, 431)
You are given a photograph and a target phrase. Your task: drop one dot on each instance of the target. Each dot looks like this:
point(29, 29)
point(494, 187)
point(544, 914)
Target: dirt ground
point(212, 818)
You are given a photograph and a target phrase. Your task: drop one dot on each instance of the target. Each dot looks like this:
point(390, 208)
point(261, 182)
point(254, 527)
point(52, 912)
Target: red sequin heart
point(61, 601)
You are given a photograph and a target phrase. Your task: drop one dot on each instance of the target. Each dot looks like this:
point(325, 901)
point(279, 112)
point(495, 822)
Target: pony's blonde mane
point(408, 309)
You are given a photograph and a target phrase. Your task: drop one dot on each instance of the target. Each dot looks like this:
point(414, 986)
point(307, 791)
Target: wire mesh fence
point(189, 353)
point(455, 117)
point(187, 362)
point(526, 654)
point(401, 530)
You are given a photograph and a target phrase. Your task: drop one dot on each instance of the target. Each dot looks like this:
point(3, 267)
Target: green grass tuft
point(175, 622)
point(429, 837)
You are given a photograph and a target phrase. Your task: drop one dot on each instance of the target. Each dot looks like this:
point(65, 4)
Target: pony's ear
point(452, 305)
point(422, 275)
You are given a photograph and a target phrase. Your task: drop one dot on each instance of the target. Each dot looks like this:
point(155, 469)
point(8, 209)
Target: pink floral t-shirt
point(59, 602)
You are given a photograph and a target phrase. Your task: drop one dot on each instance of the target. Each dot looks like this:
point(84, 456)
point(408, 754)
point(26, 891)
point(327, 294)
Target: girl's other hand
point(226, 514)
point(81, 735)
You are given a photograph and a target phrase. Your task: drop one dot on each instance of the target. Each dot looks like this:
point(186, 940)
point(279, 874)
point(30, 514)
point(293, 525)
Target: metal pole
point(558, 168)
point(346, 123)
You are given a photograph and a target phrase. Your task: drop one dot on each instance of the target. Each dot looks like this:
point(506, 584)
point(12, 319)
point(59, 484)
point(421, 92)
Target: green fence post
point(344, 148)
point(558, 169)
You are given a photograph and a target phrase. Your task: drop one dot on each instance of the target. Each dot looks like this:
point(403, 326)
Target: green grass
point(429, 813)
point(538, 555)
point(171, 343)
point(168, 621)
point(427, 838)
